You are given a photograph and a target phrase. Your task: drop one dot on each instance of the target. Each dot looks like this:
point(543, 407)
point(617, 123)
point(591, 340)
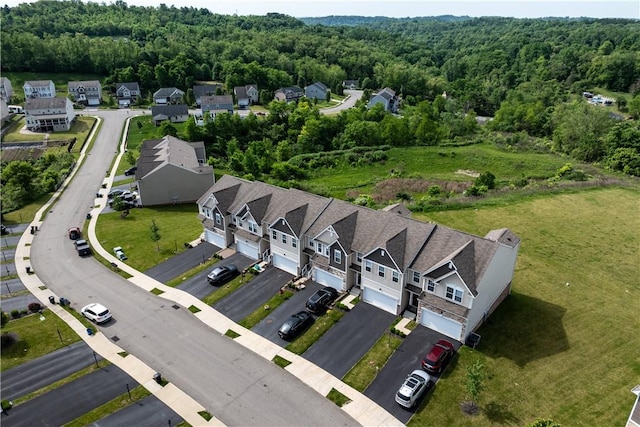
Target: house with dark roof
point(289, 94)
point(634, 415)
point(87, 92)
point(317, 90)
point(200, 91)
point(39, 89)
point(217, 104)
point(49, 114)
point(451, 281)
point(351, 84)
point(387, 97)
point(172, 171)
point(175, 113)
point(127, 94)
point(246, 95)
point(168, 95)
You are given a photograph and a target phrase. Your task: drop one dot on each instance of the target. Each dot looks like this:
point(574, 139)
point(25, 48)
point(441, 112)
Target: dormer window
point(218, 217)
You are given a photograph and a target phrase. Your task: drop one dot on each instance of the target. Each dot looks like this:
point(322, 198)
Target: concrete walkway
point(360, 407)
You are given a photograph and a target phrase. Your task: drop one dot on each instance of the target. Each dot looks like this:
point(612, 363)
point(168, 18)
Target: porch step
point(355, 291)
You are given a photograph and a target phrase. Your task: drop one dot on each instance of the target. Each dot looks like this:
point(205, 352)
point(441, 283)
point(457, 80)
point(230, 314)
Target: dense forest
point(528, 74)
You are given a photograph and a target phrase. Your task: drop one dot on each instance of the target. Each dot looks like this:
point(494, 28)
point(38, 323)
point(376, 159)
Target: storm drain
point(115, 338)
point(176, 306)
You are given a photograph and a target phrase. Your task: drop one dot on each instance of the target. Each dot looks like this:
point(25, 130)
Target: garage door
point(284, 263)
point(215, 239)
point(380, 300)
point(439, 323)
point(327, 279)
point(247, 249)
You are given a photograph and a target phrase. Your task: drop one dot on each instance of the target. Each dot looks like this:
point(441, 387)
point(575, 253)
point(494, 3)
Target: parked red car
point(74, 233)
point(438, 356)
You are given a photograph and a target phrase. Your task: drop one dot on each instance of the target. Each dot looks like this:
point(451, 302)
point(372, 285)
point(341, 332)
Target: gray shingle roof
point(169, 110)
point(155, 153)
point(43, 103)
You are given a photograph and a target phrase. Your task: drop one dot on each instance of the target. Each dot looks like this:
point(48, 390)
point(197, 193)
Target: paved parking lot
point(254, 294)
point(348, 340)
point(404, 360)
point(269, 326)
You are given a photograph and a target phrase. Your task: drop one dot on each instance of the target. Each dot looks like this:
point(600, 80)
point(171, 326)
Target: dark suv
point(220, 275)
point(321, 300)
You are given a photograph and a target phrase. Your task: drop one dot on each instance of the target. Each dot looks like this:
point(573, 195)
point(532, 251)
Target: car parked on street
point(295, 325)
point(82, 247)
point(96, 312)
point(413, 387)
point(321, 300)
point(131, 171)
point(75, 233)
point(220, 275)
point(438, 356)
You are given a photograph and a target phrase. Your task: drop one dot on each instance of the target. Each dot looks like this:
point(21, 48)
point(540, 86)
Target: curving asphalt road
point(350, 101)
point(235, 385)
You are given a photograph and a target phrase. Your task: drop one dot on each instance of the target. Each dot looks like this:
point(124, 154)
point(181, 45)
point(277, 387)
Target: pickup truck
point(82, 246)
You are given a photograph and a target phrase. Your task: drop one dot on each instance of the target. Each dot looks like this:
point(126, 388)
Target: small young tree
point(543, 423)
point(474, 384)
point(155, 235)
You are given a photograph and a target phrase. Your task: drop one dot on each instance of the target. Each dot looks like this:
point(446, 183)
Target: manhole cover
point(176, 306)
point(115, 338)
point(269, 321)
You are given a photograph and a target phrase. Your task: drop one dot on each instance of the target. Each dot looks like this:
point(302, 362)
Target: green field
point(565, 344)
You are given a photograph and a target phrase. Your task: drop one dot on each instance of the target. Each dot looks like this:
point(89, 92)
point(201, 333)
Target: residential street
point(237, 386)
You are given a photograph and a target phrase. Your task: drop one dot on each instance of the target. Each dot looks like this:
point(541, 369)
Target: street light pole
point(96, 359)
point(128, 391)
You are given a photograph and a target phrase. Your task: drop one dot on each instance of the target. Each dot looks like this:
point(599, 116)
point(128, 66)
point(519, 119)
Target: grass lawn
point(565, 344)
point(37, 338)
point(79, 130)
point(435, 163)
point(177, 225)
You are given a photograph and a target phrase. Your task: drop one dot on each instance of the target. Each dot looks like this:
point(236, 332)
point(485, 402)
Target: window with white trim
point(431, 285)
point(218, 218)
point(359, 257)
point(311, 244)
point(454, 294)
point(337, 256)
point(274, 235)
point(395, 276)
point(294, 242)
point(416, 277)
point(253, 227)
point(284, 238)
point(319, 248)
point(381, 270)
point(368, 265)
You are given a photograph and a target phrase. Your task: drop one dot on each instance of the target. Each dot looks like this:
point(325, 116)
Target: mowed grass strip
point(177, 225)
point(313, 334)
point(261, 312)
point(138, 393)
point(36, 338)
point(564, 345)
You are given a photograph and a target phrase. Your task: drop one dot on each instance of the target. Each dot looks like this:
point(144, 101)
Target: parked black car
point(219, 275)
point(131, 171)
point(295, 325)
point(321, 300)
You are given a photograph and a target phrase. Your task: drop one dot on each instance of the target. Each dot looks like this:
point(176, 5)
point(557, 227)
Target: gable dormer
point(458, 267)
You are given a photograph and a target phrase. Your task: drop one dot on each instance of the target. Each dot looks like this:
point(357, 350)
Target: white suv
point(95, 312)
point(412, 388)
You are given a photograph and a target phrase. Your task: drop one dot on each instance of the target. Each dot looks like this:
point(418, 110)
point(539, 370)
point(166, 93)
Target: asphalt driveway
point(254, 294)
point(404, 360)
point(198, 285)
point(269, 326)
point(71, 400)
point(348, 340)
point(45, 370)
point(148, 412)
point(184, 261)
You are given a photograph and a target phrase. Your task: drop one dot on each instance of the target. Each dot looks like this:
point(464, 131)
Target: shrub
point(6, 405)
point(35, 307)
point(8, 338)
point(15, 314)
point(4, 318)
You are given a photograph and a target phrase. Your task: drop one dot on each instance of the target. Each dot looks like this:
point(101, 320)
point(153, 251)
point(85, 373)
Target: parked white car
point(96, 312)
point(413, 387)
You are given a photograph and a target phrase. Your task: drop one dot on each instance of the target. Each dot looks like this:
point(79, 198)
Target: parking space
point(269, 326)
point(198, 285)
point(184, 261)
point(404, 360)
point(348, 340)
point(254, 294)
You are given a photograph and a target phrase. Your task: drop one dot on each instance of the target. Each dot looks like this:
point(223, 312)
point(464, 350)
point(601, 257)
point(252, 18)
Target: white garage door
point(284, 263)
point(327, 279)
point(215, 239)
point(247, 249)
point(94, 101)
point(380, 300)
point(439, 323)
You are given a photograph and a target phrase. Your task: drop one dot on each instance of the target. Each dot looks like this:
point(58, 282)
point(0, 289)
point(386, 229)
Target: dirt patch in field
point(468, 172)
point(388, 190)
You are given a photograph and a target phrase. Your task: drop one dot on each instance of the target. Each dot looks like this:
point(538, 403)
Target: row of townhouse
point(452, 281)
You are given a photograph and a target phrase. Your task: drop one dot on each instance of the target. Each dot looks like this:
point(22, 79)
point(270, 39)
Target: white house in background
point(175, 113)
point(87, 92)
point(452, 281)
point(127, 94)
point(4, 110)
point(317, 90)
point(172, 171)
point(6, 89)
point(246, 95)
point(168, 95)
point(49, 114)
point(39, 89)
point(387, 97)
